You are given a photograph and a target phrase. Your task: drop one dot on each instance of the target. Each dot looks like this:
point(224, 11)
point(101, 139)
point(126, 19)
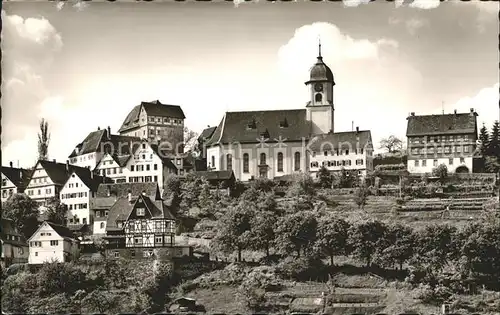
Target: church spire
point(319, 48)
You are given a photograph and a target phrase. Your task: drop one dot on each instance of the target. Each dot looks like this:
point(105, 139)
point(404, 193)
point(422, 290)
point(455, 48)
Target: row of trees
point(489, 147)
point(257, 223)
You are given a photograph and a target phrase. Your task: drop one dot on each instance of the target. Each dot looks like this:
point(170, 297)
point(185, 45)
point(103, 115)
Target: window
point(155, 167)
point(466, 149)
point(116, 254)
point(147, 179)
point(462, 160)
point(280, 162)
point(447, 150)
point(318, 97)
point(424, 163)
point(346, 152)
point(54, 243)
point(458, 149)
point(147, 167)
point(450, 161)
point(262, 159)
point(297, 161)
point(435, 163)
point(140, 211)
point(416, 163)
point(325, 153)
point(158, 239)
point(229, 162)
point(84, 221)
point(245, 163)
point(36, 253)
point(155, 178)
point(439, 150)
point(314, 164)
point(213, 161)
point(132, 253)
point(101, 225)
point(359, 162)
point(138, 240)
point(178, 161)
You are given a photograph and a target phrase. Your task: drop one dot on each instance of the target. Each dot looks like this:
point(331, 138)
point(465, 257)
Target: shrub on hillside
point(302, 269)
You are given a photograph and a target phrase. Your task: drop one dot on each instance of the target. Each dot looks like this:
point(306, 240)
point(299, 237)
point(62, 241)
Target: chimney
point(412, 113)
point(357, 129)
point(54, 160)
point(67, 165)
point(91, 175)
point(129, 197)
point(109, 132)
point(98, 128)
point(144, 193)
point(11, 164)
point(455, 111)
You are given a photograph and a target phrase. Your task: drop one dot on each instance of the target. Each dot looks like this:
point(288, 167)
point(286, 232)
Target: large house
point(77, 192)
point(269, 144)
point(141, 227)
point(146, 163)
point(448, 139)
point(155, 121)
point(107, 195)
point(14, 246)
point(47, 179)
point(51, 242)
point(350, 150)
point(90, 151)
point(14, 180)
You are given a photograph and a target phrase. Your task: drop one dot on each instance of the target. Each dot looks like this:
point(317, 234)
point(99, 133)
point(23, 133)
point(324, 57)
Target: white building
point(47, 180)
point(90, 151)
point(350, 150)
point(14, 180)
point(51, 242)
point(448, 139)
point(77, 192)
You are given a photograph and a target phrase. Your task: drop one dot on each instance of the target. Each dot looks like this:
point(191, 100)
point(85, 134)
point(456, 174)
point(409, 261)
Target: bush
point(302, 269)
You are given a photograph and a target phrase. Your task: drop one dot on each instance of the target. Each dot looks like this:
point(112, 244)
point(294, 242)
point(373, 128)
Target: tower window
point(297, 161)
point(280, 162)
point(262, 159)
point(229, 162)
point(318, 97)
point(245, 163)
point(283, 123)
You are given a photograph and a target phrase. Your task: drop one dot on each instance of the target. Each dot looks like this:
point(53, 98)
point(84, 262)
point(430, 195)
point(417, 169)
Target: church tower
point(320, 110)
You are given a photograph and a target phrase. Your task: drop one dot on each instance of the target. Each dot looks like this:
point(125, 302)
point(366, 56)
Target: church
point(274, 143)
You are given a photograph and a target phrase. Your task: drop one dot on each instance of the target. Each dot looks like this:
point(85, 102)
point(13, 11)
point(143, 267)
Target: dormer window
point(284, 123)
point(252, 125)
point(265, 134)
point(140, 212)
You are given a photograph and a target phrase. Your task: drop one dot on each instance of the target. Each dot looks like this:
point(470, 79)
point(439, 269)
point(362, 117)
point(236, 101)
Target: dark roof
point(18, 176)
point(78, 227)
point(60, 172)
point(441, 124)
point(234, 127)
point(207, 133)
point(122, 189)
point(122, 208)
point(63, 231)
point(95, 140)
point(8, 228)
point(155, 108)
point(349, 139)
point(102, 202)
point(216, 175)
point(321, 72)
point(91, 180)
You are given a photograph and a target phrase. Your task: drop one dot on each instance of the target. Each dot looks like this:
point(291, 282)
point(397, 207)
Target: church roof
point(341, 140)
point(321, 72)
point(154, 108)
point(95, 139)
point(441, 124)
point(250, 126)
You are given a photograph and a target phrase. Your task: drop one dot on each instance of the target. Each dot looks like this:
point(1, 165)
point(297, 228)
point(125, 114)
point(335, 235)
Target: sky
point(86, 65)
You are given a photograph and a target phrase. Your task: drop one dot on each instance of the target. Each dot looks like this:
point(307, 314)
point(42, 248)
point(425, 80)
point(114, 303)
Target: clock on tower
point(318, 87)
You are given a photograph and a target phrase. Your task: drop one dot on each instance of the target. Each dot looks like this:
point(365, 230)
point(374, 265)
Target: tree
point(392, 144)
point(234, 229)
point(262, 231)
point(492, 164)
point(296, 232)
point(301, 185)
point(324, 177)
point(332, 235)
point(400, 244)
point(440, 171)
point(56, 211)
point(434, 246)
point(484, 140)
point(366, 239)
point(43, 140)
point(361, 197)
point(172, 190)
point(190, 139)
point(345, 178)
point(494, 143)
point(23, 211)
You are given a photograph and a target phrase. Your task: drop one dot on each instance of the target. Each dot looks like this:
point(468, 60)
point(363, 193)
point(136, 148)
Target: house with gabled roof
point(351, 150)
point(90, 151)
point(448, 139)
point(275, 143)
point(141, 227)
point(108, 194)
point(14, 180)
point(155, 121)
point(77, 192)
point(14, 247)
point(47, 179)
point(51, 242)
point(114, 166)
